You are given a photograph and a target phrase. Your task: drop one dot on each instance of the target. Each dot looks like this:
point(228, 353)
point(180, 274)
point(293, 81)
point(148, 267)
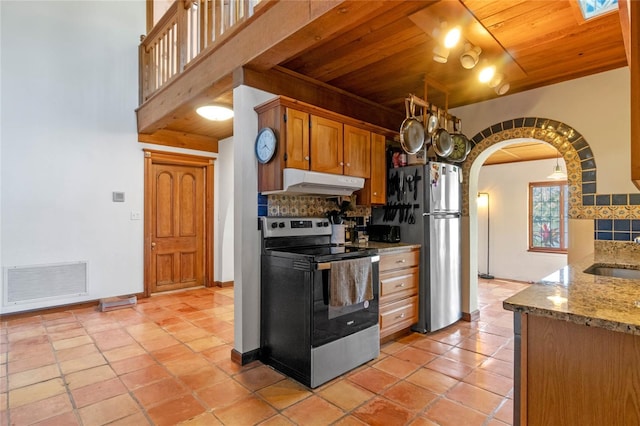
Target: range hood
point(296, 181)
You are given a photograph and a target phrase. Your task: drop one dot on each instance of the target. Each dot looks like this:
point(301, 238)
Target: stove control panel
point(294, 226)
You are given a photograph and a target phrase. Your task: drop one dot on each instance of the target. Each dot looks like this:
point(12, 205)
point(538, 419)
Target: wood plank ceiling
point(387, 54)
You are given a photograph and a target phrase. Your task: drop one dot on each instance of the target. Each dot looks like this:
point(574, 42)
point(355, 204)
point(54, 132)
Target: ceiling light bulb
point(452, 37)
point(440, 54)
point(486, 74)
point(470, 56)
point(215, 112)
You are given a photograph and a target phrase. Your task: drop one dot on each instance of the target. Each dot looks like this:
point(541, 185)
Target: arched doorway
point(581, 178)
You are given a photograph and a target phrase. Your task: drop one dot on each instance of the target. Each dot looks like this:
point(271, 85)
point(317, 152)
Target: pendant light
point(558, 173)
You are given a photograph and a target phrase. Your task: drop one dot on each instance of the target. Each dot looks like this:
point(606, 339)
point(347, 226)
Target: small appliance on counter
point(384, 233)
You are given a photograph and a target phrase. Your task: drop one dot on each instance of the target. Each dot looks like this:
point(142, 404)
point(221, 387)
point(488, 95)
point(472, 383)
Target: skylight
point(592, 8)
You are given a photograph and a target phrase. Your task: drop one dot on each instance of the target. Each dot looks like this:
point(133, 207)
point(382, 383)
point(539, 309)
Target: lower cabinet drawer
point(398, 284)
point(398, 315)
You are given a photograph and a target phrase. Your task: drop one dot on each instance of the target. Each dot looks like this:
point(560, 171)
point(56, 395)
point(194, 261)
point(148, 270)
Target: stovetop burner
point(307, 237)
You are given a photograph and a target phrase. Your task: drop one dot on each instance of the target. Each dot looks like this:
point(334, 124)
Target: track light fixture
point(470, 57)
point(440, 54)
point(446, 39)
point(502, 88)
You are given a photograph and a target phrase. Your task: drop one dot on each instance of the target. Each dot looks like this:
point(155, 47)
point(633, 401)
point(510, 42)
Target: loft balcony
point(200, 50)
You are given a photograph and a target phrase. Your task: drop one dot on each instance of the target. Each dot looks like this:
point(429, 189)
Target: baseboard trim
point(473, 316)
point(60, 308)
point(223, 283)
point(245, 358)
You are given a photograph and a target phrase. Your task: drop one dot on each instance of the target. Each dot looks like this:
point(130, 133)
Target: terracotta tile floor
point(167, 361)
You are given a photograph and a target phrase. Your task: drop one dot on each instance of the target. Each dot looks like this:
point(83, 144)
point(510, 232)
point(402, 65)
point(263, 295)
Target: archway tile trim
point(617, 216)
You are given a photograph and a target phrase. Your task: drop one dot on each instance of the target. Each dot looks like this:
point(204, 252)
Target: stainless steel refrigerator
point(424, 201)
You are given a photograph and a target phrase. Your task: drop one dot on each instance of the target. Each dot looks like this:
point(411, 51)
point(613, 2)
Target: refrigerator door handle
point(441, 214)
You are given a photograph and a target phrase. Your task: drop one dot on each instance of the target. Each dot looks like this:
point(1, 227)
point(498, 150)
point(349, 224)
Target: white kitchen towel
point(351, 282)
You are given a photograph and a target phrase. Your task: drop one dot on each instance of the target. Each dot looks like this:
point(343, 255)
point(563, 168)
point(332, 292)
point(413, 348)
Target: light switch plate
point(118, 197)
point(135, 215)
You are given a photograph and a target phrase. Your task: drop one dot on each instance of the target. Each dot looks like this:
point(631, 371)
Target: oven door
point(332, 323)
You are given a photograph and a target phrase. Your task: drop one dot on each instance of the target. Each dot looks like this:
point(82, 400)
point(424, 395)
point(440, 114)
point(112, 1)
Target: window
point(592, 8)
point(548, 216)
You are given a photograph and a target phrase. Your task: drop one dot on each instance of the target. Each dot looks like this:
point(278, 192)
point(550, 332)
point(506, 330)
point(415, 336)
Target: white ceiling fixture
point(470, 57)
point(215, 112)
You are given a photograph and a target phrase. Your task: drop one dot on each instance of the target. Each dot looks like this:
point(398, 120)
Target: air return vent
point(27, 284)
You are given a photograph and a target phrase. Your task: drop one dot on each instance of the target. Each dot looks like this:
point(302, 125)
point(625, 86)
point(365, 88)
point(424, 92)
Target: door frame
point(152, 157)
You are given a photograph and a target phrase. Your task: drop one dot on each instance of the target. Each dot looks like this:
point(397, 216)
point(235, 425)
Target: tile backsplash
point(306, 206)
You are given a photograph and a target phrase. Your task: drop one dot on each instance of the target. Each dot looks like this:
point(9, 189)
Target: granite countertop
point(384, 247)
point(598, 301)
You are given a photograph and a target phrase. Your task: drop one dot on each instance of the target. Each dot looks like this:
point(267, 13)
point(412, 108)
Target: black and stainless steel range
point(319, 302)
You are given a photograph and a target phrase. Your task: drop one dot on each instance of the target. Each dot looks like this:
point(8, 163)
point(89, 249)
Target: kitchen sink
point(613, 271)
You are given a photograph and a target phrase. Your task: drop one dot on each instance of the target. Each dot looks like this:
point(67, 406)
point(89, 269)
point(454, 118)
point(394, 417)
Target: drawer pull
point(400, 316)
point(399, 285)
point(401, 261)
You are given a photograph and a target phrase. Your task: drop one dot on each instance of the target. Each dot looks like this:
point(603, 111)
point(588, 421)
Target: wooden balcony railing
point(188, 28)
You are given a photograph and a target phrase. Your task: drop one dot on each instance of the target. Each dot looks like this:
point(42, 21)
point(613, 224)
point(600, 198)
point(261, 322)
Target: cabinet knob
point(375, 193)
point(400, 316)
point(153, 246)
point(348, 164)
point(401, 261)
point(306, 158)
point(341, 163)
point(400, 285)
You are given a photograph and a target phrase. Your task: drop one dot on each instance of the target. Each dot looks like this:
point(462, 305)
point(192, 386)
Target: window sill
point(547, 251)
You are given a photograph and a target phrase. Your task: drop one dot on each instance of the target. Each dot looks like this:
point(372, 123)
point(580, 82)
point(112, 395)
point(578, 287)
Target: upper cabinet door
point(357, 152)
point(326, 145)
point(297, 143)
point(378, 170)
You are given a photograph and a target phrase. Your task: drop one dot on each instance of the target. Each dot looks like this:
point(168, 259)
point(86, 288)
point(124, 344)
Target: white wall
point(68, 139)
point(223, 251)
point(246, 234)
point(508, 189)
point(597, 106)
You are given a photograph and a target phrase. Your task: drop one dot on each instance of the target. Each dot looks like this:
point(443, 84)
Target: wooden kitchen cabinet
point(311, 138)
point(574, 374)
point(375, 188)
point(357, 152)
point(297, 139)
point(399, 276)
point(326, 145)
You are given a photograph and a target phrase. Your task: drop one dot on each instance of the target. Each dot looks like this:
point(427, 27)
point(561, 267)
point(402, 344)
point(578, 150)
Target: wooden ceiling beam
point(180, 140)
point(287, 83)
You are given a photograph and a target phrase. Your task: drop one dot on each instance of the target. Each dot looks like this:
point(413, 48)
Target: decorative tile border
point(584, 201)
point(304, 206)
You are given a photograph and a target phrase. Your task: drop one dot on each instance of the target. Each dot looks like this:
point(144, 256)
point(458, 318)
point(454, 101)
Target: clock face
point(265, 144)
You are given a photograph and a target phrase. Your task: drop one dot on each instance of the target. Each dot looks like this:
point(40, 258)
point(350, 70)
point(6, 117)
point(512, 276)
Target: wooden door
point(326, 145)
point(178, 223)
point(177, 239)
point(297, 139)
point(357, 152)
